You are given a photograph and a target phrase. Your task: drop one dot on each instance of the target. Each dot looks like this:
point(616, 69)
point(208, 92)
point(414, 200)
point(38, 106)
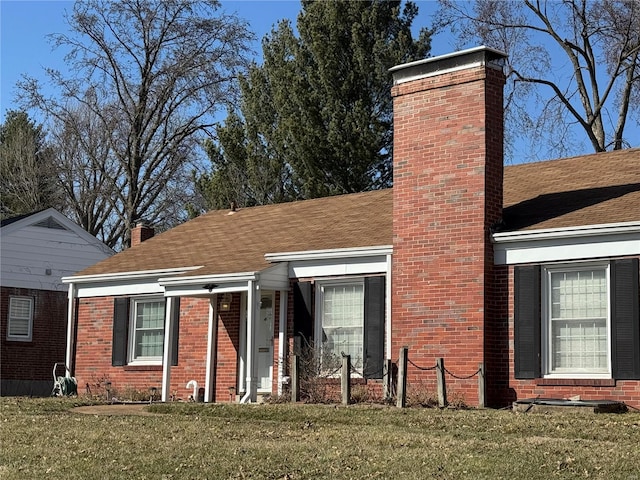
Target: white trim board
point(574, 243)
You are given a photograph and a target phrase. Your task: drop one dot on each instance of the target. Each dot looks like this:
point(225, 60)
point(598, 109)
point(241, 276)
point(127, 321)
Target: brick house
point(530, 269)
point(37, 250)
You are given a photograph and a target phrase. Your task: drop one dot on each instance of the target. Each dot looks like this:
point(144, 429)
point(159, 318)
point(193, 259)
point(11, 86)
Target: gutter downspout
point(251, 379)
point(212, 350)
point(168, 342)
point(282, 338)
point(70, 330)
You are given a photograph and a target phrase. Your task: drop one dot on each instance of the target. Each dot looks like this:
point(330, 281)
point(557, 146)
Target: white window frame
point(20, 338)
point(149, 360)
point(546, 330)
point(320, 286)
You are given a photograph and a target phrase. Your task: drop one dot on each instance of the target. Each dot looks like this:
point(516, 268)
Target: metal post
point(401, 401)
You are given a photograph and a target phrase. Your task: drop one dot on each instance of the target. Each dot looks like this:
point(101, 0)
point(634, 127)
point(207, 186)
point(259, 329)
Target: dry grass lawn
point(43, 438)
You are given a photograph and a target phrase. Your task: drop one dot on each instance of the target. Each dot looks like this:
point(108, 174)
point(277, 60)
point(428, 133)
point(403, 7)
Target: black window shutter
point(374, 303)
point(176, 330)
point(120, 329)
point(625, 324)
point(527, 321)
point(302, 324)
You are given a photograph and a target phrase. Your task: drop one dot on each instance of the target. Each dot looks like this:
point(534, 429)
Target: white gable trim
point(62, 220)
point(573, 243)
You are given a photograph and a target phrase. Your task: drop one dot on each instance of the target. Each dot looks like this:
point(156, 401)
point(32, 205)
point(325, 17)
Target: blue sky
point(25, 24)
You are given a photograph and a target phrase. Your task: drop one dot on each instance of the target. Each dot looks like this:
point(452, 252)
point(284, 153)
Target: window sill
point(576, 382)
point(143, 368)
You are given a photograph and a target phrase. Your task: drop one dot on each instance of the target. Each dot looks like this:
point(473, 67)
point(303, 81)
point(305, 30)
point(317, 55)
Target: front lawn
point(41, 438)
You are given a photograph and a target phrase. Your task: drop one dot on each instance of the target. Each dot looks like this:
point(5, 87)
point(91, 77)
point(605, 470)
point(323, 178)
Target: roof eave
point(567, 232)
point(333, 253)
point(132, 275)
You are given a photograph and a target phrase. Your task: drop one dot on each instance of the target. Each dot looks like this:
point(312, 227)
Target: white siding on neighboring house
point(37, 251)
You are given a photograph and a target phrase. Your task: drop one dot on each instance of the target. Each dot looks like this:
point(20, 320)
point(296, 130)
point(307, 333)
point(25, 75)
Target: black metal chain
point(422, 368)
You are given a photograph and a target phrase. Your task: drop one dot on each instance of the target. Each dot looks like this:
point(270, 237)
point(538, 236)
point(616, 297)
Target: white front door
point(264, 342)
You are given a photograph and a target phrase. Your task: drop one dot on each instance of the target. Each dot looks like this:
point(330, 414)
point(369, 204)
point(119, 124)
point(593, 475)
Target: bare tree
point(596, 41)
point(147, 79)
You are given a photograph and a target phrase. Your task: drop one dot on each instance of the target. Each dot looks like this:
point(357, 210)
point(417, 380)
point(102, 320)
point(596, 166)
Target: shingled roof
point(225, 242)
point(592, 189)
point(586, 190)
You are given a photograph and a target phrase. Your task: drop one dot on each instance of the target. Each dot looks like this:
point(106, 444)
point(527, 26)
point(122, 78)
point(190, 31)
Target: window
point(341, 323)
point(577, 321)
point(147, 330)
point(577, 326)
point(20, 322)
point(349, 317)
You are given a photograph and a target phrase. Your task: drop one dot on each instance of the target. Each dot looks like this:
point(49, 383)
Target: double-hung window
point(341, 323)
point(576, 330)
point(20, 321)
point(577, 320)
point(147, 330)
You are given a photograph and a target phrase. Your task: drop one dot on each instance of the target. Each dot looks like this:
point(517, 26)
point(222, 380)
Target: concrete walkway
point(115, 409)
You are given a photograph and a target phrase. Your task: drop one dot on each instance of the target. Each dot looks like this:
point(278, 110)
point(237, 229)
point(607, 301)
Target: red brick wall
point(447, 193)
point(34, 360)
point(94, 341)
point(228, 348)
point(192, 347)
point(627, 391)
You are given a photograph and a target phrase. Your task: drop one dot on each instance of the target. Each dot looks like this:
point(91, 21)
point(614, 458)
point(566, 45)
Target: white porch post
point(387, 309)
point(251, 382)
point(70, 331)
point(166, 354)
point(212, 350)
point(282, 338)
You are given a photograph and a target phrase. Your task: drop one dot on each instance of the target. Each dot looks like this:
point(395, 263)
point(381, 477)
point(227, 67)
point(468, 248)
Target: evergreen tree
point(316, 116)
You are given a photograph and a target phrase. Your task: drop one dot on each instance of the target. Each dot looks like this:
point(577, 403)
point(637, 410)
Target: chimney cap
point(428, 67)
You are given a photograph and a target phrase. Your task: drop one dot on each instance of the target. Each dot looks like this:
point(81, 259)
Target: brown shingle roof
point(228, 243)
point(587, 190)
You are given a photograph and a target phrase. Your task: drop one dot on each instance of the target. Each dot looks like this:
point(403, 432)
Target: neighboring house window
point(341, 323)
point(147, 330)
point(577, 320)
point(20, 322)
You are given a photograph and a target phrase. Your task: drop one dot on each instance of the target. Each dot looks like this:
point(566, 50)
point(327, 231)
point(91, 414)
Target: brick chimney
point(141, 232)
point(447, 193)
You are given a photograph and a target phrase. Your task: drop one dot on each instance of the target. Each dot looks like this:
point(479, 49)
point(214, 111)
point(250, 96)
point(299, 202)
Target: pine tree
point(316, 116)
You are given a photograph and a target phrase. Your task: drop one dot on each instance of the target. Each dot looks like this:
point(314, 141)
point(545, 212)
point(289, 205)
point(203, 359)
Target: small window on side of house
point(147, 330)
point(20, 321)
